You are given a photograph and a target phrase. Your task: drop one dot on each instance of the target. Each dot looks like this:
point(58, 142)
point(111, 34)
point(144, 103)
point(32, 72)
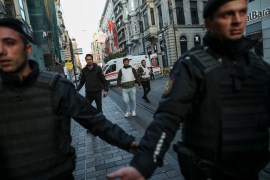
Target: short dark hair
point(18, 26)
point(142, 60)
point(87, 55)
point(125, 59)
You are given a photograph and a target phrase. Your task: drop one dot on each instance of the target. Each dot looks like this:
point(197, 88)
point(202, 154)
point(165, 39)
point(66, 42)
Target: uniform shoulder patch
point(168, 87)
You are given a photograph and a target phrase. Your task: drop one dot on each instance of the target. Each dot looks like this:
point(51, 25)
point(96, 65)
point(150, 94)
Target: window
point(22, 9)
point(197, 40)
point(194, 12)
point(145, 17)
point(180, 12)
point(112, 68)
point(160, 19)
point(259, 46)
point(10, 9)
point(183, 44)
point(152, 16)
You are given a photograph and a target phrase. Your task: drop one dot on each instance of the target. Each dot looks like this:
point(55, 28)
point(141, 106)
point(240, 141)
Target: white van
point(112, 67)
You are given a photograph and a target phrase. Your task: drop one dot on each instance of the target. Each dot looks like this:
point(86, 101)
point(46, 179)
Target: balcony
point(121, 39)
point(150, 33)
point(120, 26)
point(135, 37)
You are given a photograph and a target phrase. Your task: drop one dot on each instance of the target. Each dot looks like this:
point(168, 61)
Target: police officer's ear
point(207, 24)
point(28, 49)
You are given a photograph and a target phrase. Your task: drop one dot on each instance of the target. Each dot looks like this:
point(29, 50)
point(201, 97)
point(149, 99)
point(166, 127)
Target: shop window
point(259, 46)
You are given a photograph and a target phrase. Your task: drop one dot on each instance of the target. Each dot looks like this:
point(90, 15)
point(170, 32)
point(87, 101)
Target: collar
point(228, 48)
point(10, 79)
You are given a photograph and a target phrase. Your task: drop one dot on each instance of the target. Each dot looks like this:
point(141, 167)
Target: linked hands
point(105, 93)
point(133, 147)
point(127, 173)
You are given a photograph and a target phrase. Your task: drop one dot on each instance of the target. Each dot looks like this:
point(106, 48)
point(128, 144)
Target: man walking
point(94, 81)
point(220, 93)
point(126, 80)
point(144, 74)
point(35, 113)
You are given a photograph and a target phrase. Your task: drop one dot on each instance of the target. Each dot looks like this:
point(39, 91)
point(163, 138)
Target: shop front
point(258, 27)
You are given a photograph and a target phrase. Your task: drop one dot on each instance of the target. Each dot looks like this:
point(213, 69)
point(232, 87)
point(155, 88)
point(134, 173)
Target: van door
point(111, 74)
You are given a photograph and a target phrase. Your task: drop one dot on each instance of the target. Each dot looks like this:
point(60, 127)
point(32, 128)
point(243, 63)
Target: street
point(96, 158)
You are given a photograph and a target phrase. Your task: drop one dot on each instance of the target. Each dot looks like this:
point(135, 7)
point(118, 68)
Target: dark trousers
point(146, 88)
point(97, 97)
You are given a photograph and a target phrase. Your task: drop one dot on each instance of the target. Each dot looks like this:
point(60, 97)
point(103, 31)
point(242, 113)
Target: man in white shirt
point(127, 78)
point(144, 74)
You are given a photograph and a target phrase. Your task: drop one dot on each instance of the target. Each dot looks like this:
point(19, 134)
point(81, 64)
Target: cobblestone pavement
point(96, 158)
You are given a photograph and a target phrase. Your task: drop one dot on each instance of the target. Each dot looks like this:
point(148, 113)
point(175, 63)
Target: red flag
point(107, 46)
point(110, 26)
point(115, 38)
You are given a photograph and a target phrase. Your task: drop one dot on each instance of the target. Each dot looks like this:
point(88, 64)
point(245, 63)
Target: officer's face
point(13, 51)
point(229, 20)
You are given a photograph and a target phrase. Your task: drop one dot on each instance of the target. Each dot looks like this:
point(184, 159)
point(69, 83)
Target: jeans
point(129, 93)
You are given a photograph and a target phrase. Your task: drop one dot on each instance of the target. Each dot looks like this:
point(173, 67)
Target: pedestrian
point(36, 108)
point(94, 81)
point(126, 79)
point(219, 93)
point(144, 74)
point(152, 75)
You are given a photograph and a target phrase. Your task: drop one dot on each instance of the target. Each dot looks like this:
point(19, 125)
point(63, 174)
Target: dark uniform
point(220, 94)
point(35, 140)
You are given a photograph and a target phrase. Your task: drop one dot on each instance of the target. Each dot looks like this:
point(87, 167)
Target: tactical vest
point(34, 142)
point(231, 107)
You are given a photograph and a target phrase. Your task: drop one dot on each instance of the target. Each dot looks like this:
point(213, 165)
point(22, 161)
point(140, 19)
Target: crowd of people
point(219, 92)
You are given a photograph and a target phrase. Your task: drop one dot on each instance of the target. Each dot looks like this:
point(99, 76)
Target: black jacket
point(93, 79)
point(64, 101)
point(182, 97)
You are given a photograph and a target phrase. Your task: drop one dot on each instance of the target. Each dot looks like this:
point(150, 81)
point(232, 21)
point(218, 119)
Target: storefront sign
point(258, 14)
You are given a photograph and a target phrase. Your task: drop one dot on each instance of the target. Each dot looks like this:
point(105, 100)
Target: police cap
point(18, 26)
point(211, 6)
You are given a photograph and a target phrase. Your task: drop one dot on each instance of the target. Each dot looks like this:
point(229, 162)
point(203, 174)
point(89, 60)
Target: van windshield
point(105, 67)
point(111, 68)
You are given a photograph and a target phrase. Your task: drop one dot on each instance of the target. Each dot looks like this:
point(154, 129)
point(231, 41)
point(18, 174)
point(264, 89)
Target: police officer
point(35, 112)
point(220, 94)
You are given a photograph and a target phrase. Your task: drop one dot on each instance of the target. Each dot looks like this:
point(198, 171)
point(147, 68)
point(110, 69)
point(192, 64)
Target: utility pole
point(72, 60)
point(164, 46)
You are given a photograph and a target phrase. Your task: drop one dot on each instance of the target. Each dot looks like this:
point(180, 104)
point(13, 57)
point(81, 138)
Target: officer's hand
point(105, 93)
point(140, 87)
point(127, 173)
point(133, 147)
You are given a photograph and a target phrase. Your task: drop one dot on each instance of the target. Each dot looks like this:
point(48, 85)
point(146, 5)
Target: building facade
point(167, 28)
